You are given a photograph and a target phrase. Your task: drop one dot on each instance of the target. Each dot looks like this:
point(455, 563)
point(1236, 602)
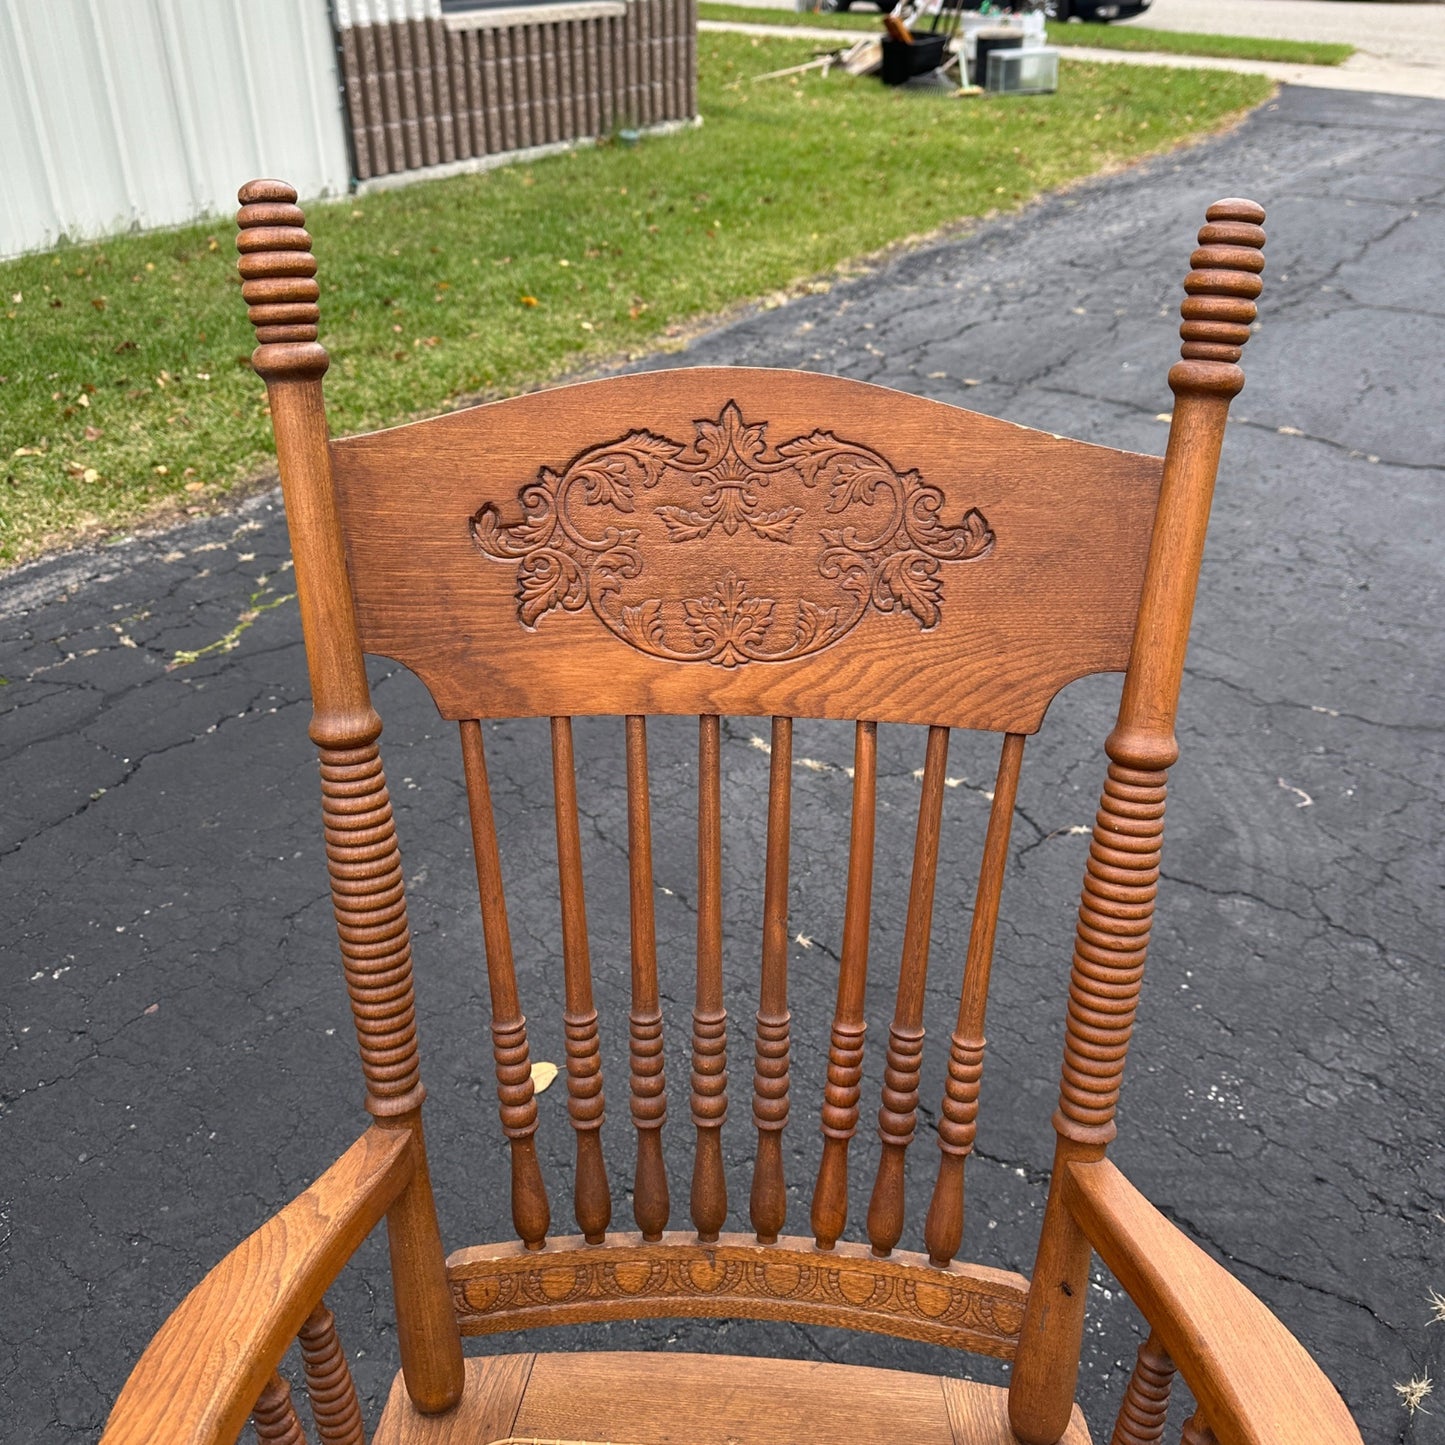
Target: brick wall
point(423, 89)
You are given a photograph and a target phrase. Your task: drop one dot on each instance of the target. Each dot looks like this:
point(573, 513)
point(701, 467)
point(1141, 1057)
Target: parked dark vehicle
point(1099, 10)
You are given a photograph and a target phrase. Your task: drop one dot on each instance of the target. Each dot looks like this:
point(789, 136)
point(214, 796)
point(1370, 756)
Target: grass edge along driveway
point(125, 388)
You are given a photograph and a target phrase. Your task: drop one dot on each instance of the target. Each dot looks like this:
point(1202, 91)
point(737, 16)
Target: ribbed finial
point(1224, 283)
point(279, 282)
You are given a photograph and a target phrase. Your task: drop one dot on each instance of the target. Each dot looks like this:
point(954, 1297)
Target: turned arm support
point(1255, 1382)
point(203, 1371)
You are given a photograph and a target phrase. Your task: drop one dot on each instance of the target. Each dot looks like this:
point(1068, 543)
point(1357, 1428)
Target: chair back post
point(367, 892)
point(1121, 878)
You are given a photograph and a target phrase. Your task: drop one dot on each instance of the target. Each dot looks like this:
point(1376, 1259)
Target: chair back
point(720, 542)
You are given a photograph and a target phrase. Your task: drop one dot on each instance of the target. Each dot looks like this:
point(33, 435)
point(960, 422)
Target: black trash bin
point(901, 62)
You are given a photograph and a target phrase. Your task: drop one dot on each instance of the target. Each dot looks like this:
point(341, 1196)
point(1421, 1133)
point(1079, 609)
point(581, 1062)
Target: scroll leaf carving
point(634, 529)
point(504, 1288)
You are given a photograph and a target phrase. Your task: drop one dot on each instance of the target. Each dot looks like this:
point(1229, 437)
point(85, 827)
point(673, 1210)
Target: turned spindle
point(1197, 1432)
point(511, 1053)
point(1145, 1407)
point(1121, 877)
point(845, 1046)
point(329, 1385)
point(958, 1119)
point(709, 1199)
point(769, 1199)
point(362, 858)
point(274, 1417)
point(898, 1115)
point(650, 1204)
point(592, 1199)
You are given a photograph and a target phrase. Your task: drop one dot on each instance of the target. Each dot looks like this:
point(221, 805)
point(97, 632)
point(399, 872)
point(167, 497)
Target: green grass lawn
point(1105, 37)
point(124, 383)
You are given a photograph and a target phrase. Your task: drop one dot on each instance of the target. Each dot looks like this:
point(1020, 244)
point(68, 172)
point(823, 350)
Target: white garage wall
point(120, 114)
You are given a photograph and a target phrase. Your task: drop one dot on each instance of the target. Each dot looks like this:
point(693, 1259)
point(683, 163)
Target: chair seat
point(629, 1398)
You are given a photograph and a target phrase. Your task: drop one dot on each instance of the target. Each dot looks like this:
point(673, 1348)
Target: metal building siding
point(138, 113)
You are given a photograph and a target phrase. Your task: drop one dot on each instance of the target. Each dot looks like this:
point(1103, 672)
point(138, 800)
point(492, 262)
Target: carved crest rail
point(505, 1287)
point(726, 550)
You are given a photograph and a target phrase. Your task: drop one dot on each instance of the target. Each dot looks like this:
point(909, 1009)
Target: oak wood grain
point(1144, 1410)
point(768, 1203)
point(1116, 909)
point(591, 1197)
point(1196, 1431)
point(516, 1093)
point(766, 543)
point(978, 1413)
point(1255, 1383)
point(686, 1399)
point(650, 1204)
point(206, 1366)
point(974, 641)
point(731, 1400)
point(329, 1386)
point(363, 860)
point(898, 1113)
point(274, 1419)
point(503, 1287)
point(491, 1396)
point(709, 1198)
point(958, 1118)
point(845, 1046)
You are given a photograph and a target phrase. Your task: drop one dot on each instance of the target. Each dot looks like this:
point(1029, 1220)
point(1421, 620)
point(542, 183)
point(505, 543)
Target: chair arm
point(1255, 1382)
point(202, 1372)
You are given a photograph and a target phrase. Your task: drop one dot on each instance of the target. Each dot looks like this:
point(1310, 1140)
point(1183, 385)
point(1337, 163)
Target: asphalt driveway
point(177, 1057)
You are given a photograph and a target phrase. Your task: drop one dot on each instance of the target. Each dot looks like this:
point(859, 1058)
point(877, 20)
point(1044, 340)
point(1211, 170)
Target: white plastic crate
point(1023, 72)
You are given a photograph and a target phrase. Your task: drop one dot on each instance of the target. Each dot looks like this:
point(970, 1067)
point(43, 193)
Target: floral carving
point(903, 1296)
point(723, 550)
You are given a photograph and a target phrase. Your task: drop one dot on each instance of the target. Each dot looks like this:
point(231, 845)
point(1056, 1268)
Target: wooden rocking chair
point(746, 542)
